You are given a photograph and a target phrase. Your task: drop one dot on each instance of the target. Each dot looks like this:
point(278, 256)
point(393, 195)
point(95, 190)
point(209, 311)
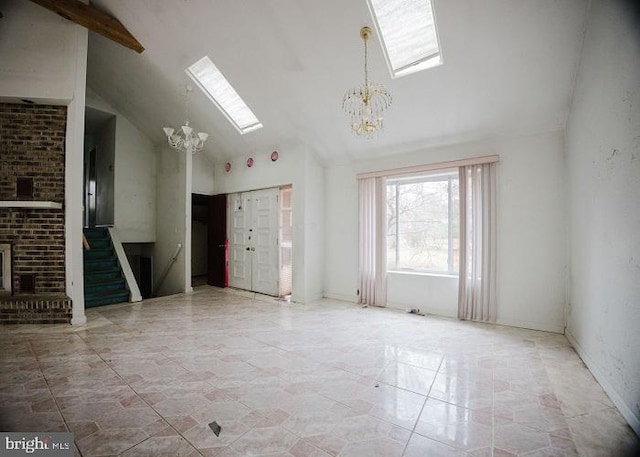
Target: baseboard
point(442, 312)
point(341, 297)
point(630, 417)
point(538, 326)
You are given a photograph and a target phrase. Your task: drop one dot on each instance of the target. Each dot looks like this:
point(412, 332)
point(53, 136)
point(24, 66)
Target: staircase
point(104, 283)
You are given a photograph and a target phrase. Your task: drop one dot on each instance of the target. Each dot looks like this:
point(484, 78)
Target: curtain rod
point(429, 167)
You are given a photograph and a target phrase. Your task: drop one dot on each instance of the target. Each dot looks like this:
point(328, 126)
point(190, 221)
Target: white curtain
point(477, 287)
point(373, 236)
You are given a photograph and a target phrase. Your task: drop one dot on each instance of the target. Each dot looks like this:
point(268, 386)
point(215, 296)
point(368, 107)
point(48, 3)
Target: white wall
point(531, 255)
point(133, 176)
point(171, 230)
point(341, 233)
point(314, 218)
point(603, 163)
point(38, 54)
point(298, 167)
point(134, 184)
point(203, 172)
point(532, 259)
point(431, 294)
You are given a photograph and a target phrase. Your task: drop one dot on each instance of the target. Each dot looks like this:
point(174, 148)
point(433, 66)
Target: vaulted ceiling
point(508, 68)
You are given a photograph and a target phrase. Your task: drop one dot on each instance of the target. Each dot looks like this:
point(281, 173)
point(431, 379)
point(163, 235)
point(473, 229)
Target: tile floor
point(286, 380)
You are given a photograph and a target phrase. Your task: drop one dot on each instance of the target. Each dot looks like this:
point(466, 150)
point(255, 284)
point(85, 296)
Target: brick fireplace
point(32, 221)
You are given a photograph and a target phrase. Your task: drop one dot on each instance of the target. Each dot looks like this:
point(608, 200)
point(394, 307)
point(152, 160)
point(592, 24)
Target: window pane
point(419, 233)
point(221, 92)
point(408, 32)
point(423, 226)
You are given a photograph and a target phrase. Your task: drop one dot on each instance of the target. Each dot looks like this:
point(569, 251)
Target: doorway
point(209, 240)
point(254, 255)
point(199, 239)
point(90, 191)
point(286, 242)
point(99, 160)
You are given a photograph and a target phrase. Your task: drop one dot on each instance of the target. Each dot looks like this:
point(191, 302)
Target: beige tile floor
point(285, 380)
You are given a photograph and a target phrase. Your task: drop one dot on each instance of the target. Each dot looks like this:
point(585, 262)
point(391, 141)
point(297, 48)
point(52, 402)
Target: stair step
point(98, 253)
point(106, 298)
point(111, 284)
point(99, 264)
point(103, 281)
point(99, 294)
point(102, 275)
point(98, 243)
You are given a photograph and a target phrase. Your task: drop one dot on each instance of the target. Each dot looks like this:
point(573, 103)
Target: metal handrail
point(166, 270)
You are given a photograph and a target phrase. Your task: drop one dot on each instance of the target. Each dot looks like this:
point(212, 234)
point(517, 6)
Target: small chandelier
point(185, 139)
point(365, 104)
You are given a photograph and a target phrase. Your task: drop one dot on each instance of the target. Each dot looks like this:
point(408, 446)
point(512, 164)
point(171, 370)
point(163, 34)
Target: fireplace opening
point(27, 284)
point(24, 188)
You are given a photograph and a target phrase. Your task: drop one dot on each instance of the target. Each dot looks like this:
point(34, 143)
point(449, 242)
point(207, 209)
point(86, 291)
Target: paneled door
point(264, 241)
point(253, 229)
point(239, 250)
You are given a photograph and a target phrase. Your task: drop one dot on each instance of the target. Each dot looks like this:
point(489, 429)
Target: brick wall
point(32, 139)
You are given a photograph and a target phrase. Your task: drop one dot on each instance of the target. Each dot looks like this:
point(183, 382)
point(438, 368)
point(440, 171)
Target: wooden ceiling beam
point(93, 19)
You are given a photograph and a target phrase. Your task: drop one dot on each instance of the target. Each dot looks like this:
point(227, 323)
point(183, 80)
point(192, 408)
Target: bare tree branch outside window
point(420, 234)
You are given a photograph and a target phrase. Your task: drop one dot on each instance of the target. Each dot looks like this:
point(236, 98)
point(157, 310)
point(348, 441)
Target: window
point(423, 223)
point(408, 33)
point(223, 95)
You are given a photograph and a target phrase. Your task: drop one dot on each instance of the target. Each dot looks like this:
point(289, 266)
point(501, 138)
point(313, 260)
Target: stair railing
point(166, 270)
point(124, 264)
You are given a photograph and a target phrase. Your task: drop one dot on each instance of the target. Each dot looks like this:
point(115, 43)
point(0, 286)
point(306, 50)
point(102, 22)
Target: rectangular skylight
point(407, 29)
point(207, 76)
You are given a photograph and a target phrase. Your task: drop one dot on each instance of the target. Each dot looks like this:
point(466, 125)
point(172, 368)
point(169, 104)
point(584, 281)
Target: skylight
point(215, 85)
point(408, 33)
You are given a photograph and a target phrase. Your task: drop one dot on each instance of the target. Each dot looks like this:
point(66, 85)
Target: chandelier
point(365, 104)
point(184, 138)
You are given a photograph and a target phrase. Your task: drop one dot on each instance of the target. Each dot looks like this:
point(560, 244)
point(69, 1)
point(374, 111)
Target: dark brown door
point(218, 245)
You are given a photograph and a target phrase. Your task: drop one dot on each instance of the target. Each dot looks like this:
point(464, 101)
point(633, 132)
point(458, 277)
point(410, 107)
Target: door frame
point(241, 245)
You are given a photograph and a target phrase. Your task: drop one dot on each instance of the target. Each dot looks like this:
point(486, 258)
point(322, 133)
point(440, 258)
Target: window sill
point(422, 273)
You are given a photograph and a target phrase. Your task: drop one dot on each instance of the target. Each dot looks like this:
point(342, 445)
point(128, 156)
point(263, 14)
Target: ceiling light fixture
point(185, 139)
point(365, 104)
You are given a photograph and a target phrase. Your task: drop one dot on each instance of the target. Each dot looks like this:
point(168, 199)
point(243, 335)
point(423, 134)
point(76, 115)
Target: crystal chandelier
point(365, 104)
point(185, 139)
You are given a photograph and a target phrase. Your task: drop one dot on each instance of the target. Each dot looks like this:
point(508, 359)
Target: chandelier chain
point(186, 103)
point(366, 71)
point(185, 138)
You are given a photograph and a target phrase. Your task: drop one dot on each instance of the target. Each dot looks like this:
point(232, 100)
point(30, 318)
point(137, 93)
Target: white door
point(239, 250)
point(264, 237)
point(253, 241)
